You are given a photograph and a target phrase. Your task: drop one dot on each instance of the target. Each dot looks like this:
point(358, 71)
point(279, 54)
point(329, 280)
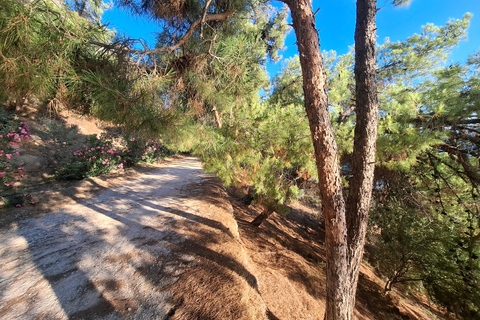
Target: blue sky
point(336, 22)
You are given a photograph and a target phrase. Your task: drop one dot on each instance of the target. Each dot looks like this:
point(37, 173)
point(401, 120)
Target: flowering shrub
point(154, 151)
point(100, 157)
point(12, 132)
point(146, 151)
point(110, 152)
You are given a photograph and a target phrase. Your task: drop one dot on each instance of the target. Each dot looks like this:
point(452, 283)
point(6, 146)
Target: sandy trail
point(157, 247)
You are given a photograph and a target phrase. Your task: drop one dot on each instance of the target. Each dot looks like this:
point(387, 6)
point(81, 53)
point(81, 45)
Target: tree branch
point(344, 114)
point(188, 34)
point(463, 160)
point(204, 14)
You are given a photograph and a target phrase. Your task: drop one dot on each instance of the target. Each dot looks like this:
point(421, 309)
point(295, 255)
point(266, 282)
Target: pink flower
point(2, 174)
point(10, 184)
point(21, 168)
point(8, 155)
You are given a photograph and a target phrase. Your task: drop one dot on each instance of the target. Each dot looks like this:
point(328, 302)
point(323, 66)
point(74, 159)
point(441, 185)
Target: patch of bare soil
point(287, 257)
point(53, 195)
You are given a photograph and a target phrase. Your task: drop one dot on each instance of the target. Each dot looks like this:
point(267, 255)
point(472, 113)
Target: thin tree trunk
point(363, 161)
point(261, 217)
point(218, 120)
point(326, 155)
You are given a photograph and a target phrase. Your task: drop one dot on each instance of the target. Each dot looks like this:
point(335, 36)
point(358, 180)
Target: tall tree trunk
point(344, 246)
point(363, 162)
point(326, 155)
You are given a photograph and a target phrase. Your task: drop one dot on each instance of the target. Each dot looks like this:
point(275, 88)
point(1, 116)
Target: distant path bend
point(161, 246)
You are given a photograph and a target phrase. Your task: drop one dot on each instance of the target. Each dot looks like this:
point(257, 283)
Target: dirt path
point(161, 246)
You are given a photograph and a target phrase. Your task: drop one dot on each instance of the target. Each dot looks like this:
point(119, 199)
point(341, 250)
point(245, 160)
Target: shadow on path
point(72, 286)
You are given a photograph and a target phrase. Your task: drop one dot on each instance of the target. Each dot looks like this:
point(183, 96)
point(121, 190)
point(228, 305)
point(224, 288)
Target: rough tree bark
point(326, 155)
point(345, 225)
point(365, 141)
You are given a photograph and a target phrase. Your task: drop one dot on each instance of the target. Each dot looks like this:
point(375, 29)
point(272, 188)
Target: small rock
point(30, 162)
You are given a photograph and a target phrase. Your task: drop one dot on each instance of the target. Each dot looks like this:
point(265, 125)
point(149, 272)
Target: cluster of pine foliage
point(213, 98)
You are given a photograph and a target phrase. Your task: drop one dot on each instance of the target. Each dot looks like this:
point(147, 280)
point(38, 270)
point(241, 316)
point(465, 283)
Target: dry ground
point(287, 257)
point(162, 243)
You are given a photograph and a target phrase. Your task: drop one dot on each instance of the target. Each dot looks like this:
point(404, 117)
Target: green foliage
point(227, 70)
point(139, 150)
point(97, 158)
point(425, 227)
point(131, 98)
point(17, 200)
point(426, 210)
point(12, 133)
point(427, 207)
point(401, 2)
point(433, 121)
point(40, 44)
point(288, 84)
point(421, 53)
point(267, 147)
point(48, 51)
